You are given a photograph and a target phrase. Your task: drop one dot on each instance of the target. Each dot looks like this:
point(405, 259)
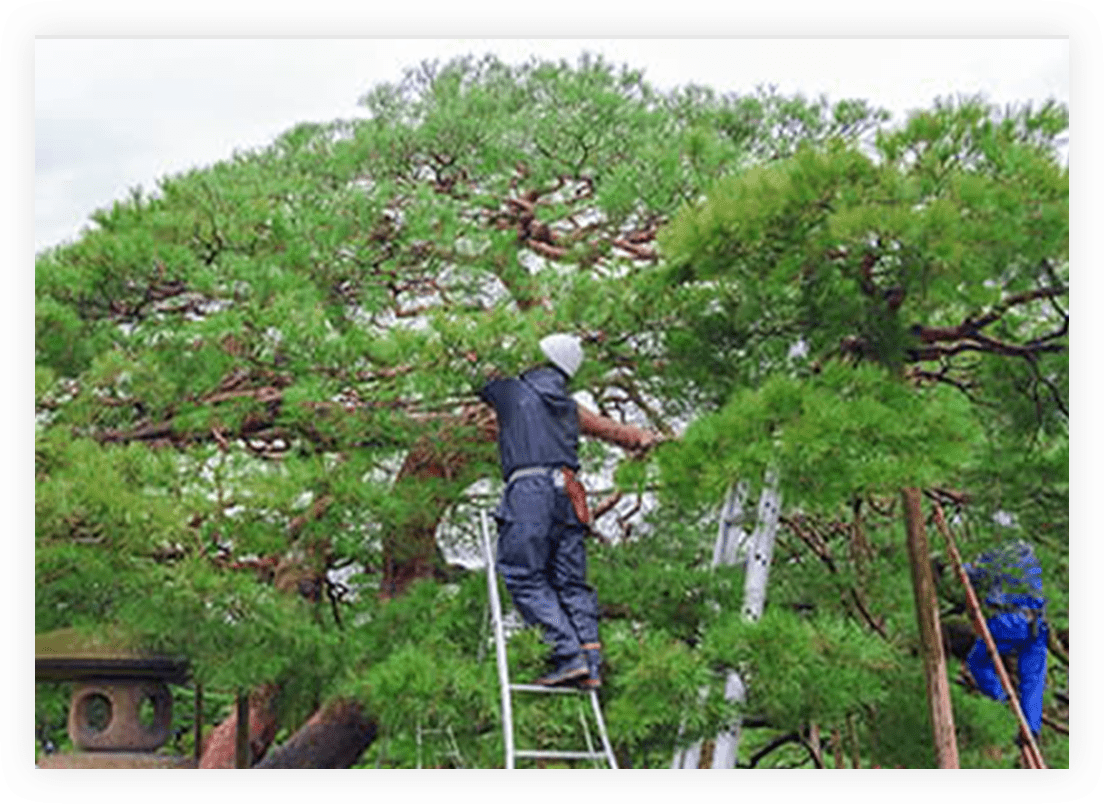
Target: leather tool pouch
point(577, 494)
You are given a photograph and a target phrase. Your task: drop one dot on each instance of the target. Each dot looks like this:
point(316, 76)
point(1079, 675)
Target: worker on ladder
point(543, 517)
point(1009, 583)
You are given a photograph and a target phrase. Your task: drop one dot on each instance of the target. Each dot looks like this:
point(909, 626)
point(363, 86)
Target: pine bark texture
point(334, 737)
point(220, 749)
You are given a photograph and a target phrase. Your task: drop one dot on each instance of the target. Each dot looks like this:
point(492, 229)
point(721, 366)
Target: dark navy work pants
point(542, 559)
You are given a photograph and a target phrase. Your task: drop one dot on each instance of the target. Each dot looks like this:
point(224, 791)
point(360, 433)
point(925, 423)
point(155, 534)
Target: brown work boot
point(592, 651)
point(565, 672)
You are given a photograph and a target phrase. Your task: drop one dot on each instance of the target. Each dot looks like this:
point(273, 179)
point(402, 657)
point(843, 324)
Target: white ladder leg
point(607, 749)
point(500, 643)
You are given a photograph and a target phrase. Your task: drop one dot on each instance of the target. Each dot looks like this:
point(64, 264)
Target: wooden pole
point(815, 748)
point(198, 749)
point(1033, 757)
point(931, 640)
point(837, 748)
point(241, 754)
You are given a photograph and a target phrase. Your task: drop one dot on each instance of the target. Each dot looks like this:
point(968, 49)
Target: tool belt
point(562, 477)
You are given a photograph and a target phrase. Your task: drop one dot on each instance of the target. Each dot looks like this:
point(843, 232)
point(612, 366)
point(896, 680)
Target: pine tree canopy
point(259, 444)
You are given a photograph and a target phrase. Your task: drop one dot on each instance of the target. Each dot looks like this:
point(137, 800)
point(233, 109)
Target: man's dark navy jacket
point(538, 422)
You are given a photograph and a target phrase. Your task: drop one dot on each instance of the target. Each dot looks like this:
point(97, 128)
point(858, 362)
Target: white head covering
point(564, 351)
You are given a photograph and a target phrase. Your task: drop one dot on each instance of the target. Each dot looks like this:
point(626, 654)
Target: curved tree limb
point(985, 345)
point(773, 745)
point(219, 750)
point(334, 737)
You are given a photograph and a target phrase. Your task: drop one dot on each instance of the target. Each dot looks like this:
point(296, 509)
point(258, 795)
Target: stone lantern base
point(82, 760)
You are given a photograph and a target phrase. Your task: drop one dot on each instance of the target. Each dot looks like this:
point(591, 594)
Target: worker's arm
point(483, 376)
point(628, 436)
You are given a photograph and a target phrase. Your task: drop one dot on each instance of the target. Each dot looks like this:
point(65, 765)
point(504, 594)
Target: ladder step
point(561, 754)
point(542, 688)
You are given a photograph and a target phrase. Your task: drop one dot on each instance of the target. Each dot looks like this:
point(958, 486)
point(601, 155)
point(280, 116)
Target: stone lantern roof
point(72, 654)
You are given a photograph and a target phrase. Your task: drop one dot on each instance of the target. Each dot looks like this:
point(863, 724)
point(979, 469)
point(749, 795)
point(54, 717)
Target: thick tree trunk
point(410, 553)
point(334, 737)
point(243, 755)
point(931, 639)
point(221, 746)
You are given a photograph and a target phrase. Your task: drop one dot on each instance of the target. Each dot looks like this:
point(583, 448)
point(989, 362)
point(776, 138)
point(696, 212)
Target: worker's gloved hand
point(482, 371)
point(648, 442)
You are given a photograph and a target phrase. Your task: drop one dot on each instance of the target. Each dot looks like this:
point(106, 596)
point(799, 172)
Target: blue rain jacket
point(1009, 577)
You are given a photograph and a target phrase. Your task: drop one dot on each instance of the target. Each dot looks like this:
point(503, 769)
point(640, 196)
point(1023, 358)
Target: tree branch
point(1005, 305)
point(545, 250)
point(943, 375)
point(605, 505)
point(1061, 728)
point(639, 252)
point(1054, 645)
point(820, 548)
point(986, 345)
point(773, 745)
point(625, 385)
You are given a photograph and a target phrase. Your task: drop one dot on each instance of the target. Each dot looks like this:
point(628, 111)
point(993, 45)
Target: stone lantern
point(120, 712)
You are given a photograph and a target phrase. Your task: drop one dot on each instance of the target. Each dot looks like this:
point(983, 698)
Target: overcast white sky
point(112, 114)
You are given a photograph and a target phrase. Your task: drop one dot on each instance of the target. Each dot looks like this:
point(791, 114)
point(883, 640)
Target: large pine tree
point(258, 442)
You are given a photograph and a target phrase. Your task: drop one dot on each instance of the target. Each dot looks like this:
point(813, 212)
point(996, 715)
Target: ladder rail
point(500, 645)
point(586, 731)
point(540, 689)
point(601, 721)
point(754, 549)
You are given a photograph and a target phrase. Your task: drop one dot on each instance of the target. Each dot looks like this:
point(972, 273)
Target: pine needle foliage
point(255, 411)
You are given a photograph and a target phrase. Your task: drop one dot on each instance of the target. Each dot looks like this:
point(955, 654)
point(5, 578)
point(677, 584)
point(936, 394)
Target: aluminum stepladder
point(507, 689)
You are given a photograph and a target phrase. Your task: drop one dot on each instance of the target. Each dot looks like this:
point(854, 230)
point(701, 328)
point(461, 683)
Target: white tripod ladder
point(507, 689)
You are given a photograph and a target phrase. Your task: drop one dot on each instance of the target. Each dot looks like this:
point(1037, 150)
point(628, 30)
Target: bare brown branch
point(607, 503)
point(638, 251)
point(987, 345)
point(1020, 298)
point(545, 250)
